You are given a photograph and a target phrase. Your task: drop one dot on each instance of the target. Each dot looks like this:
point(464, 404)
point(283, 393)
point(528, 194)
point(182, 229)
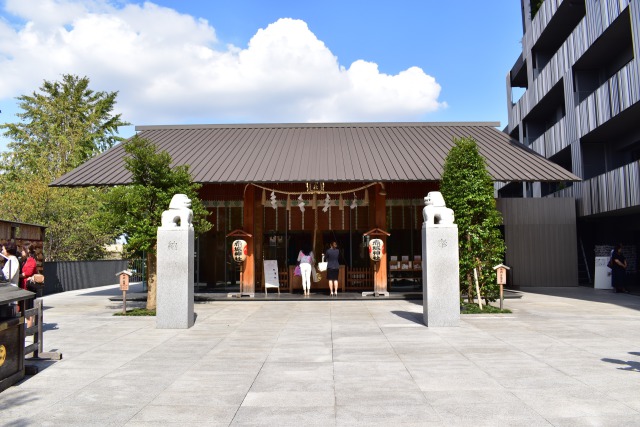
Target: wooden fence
point(359, 279)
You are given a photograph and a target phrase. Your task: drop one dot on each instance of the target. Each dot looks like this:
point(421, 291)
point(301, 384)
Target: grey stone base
point(174, 307)
point(375, 294)
point(240, 295)
point(440, 277)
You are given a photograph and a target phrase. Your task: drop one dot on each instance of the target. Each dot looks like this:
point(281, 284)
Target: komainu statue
point(435, 210)
point(179, 214)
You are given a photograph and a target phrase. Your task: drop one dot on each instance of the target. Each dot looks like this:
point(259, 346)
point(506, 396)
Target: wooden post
point(501, 278)
point(475, 276)
point(247, 283)
point(381, 223)
point(124, 287)
point(377, 253)
point(258, 234)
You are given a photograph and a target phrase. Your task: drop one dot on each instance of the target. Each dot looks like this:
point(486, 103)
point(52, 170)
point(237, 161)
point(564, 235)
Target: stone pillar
point(440, 270)
point(174, 308)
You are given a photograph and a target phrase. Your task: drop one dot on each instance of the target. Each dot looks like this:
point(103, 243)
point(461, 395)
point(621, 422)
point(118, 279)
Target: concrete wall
point(71, 275)
point(540, 234)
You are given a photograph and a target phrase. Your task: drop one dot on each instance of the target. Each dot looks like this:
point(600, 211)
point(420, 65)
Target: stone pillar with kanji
point(175, 287)
point(440, 273)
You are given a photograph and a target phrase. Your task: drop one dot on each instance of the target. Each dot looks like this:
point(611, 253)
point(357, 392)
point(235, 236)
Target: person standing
point(333, 267)
point(11, 265)
point(30, 266)
point(305, 258)
point(618, 270)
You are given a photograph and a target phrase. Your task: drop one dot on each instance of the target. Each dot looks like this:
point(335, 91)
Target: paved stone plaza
point(568, 357)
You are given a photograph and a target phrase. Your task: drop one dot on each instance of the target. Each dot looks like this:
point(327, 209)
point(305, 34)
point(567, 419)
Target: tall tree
point(62, 125)
point(135, 210)
point(467, 188)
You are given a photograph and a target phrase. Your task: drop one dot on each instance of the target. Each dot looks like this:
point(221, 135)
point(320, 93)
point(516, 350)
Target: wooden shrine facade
point(312, 215)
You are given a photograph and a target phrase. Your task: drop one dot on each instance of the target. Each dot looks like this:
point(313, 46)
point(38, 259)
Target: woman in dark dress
point(333, 267)
point(618, 270)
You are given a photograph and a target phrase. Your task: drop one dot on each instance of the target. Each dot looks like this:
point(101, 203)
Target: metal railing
point(138, 266)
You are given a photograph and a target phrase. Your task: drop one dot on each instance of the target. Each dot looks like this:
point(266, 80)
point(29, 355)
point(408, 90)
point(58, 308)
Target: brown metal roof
point(330, 152)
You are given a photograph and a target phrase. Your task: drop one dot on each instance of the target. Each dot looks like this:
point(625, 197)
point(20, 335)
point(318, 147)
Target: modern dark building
point(574, 97)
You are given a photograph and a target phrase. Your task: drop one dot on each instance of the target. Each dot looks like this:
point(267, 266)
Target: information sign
point(271, 278)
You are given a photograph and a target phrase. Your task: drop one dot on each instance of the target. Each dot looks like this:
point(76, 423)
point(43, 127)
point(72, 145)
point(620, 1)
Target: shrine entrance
point(284, 217)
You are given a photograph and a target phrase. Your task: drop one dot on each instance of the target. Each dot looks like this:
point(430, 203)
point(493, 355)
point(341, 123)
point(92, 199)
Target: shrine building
point(291, 186)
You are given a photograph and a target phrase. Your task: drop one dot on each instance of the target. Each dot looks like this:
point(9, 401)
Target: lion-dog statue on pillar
point(179, 214)
point(435, 210)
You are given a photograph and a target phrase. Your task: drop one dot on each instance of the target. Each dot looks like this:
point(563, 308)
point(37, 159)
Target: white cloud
point(170, 68)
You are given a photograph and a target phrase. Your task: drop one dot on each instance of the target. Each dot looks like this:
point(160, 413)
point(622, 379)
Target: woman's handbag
point(322, 266)
point(35, 284)
point(610, 264)
point(297, 271)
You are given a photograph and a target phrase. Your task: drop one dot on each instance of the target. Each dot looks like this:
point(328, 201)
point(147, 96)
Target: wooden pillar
point(381, 223)
point(258, 235)
point(248, 277)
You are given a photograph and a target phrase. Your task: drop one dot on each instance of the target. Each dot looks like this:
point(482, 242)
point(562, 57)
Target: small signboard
point(271, 279)
point(124, 287)
point(501, 278)
point(124, 282)
point(501, 274)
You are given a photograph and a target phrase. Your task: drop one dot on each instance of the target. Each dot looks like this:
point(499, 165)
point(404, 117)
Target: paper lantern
point(239, 251)
point(376, 249)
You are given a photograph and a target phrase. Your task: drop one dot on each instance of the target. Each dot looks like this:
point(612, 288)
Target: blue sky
point(251, 61)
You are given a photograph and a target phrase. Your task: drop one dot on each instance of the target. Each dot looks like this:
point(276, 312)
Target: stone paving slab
point(564, 357)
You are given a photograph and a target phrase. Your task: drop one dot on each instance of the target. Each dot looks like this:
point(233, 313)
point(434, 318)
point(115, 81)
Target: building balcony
point(552, 141)
point(518, 73)
point(617, 94)
point(549, 76)
point(541, 21)
point(612, 191)
point(585, 33)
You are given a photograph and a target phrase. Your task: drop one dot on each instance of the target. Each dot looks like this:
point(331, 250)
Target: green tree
point(62, 125)
point(467, 188)
point(135, 210)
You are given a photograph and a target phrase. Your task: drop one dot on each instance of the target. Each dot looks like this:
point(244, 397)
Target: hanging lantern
point(354, 202)
point(301, 203)
point(376, 249)
point(239, 250)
